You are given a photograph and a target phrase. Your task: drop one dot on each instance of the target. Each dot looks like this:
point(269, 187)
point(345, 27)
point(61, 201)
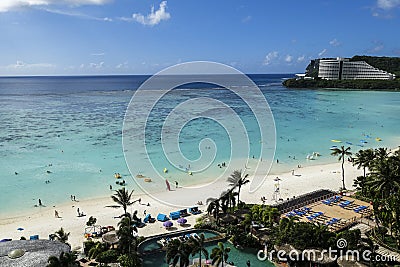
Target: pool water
point(238, 256)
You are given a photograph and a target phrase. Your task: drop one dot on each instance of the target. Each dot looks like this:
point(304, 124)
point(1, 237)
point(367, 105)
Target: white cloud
point(378, 47)
point(288, 58)
point(98, 54)
point(23, 65)
point(122, 65)
point(270, 57)
point(334, 42)
point(154, 18)
point(8, 5)
point(320, 54)
point(246, 19)
point(388, 4)
point(96, 65)
point(301, 58)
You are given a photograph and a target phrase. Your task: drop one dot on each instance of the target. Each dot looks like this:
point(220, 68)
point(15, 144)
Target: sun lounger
point(345, 203)
point(327, 202)
point(360, 208)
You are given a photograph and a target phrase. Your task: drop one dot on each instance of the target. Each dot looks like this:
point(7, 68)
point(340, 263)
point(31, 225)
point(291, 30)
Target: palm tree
point(65, 260)
point(197, 244)
point(364, 159)
point(342, 153)
point(61, 235)
point(219, 254)
point(236, 180)
point(98, 248)
point(213, 207)
point(178, 251)
point(385, 177)
point(123, 198)
point(127, 242)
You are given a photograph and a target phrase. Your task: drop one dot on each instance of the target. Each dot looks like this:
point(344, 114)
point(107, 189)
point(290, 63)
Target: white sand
point(43, 222)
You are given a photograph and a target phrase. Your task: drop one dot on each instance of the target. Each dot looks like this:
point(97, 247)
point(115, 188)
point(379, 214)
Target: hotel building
point(343, 69)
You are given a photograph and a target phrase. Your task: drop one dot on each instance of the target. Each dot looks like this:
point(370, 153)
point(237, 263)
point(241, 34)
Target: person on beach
point(78, 212)
point(110, 187)
point(40, 202)
point(176, 184)
point(248, 263)
point(292, 172)
point(144, 212)
point(56, 214)
point(140, 201)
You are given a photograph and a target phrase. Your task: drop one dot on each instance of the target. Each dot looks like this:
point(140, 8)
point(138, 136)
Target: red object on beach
point(168, 186)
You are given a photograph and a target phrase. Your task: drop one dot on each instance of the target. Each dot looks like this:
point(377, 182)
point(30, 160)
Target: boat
point(148, 180)
point(165, 170)
point(378, 139)
point(333, 147)
point(336, 141)
point(349, 143)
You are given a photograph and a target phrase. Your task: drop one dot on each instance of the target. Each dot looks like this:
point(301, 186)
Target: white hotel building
point(343, 69)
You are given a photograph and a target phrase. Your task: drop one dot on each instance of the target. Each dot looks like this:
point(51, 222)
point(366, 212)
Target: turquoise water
point(152, 244)
point(238, 257)
point(71, 127)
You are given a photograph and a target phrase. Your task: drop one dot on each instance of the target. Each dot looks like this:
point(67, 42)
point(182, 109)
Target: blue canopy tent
point(175, 215)
point(162, 217)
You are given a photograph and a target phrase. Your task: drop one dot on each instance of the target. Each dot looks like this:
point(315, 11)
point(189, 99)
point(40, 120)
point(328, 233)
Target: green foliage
point(344, 84)
point(129, 260)
point(61, 235)
point(91, 221)
point(87, 245)
point(108, 256)
point(64, 260)
point(220, 254)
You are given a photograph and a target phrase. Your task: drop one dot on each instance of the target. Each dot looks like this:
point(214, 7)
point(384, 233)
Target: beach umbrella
point(182, 221)
point(167, 224)
point(20, 229)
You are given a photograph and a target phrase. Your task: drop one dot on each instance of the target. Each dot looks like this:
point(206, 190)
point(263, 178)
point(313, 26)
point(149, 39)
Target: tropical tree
point(213, 207)
point(178, 252)
point(123, 198)
point(220, 254)
point(61, 235)
point(65, 260)
point(384, 178)
point(95, 250)
point(130, 260)
point(127, 241)
point(237, 180)
point(364, 159)
point(197, 245)
point(341, 153)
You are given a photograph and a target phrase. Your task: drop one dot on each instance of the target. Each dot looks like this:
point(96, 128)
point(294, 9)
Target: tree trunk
point(238, 201)
point(344, 186)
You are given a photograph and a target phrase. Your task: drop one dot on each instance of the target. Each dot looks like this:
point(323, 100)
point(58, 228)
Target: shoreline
point(43, 221)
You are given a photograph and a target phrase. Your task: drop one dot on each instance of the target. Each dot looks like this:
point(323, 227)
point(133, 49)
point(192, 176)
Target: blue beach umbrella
point(20, 229)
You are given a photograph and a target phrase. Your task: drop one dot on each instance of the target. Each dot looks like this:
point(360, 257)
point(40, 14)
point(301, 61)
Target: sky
point(96, 37)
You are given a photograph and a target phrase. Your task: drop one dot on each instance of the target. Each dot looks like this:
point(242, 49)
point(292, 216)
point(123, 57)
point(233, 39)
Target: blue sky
point(62, 37)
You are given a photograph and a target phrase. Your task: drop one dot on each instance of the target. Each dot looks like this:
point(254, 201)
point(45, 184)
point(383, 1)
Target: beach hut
point(162, 217)
point(110, 238)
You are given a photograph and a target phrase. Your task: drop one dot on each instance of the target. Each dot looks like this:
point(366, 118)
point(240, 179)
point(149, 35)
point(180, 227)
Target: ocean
point(62, 136)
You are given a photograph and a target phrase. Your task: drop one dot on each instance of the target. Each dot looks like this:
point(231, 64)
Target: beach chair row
point(178, 214)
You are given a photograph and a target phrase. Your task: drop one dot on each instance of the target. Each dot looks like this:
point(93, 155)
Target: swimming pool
point(238, 256)
point(151, 243)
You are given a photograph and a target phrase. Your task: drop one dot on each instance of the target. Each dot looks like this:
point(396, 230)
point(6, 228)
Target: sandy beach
point(42, 221)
